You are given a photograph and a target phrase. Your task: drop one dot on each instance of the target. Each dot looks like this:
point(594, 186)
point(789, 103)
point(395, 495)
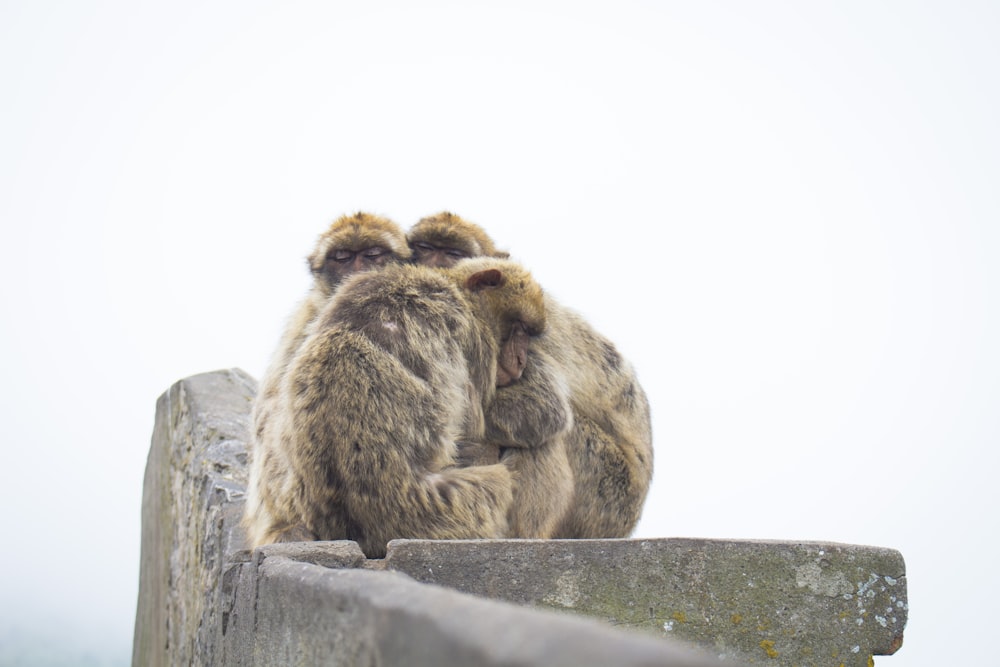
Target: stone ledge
point(761, 602)
point(286, 611)
point(191, 505)
point(775, 603)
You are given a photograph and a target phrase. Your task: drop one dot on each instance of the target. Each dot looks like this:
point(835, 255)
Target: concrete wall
point(285, 611)
point(205, 599)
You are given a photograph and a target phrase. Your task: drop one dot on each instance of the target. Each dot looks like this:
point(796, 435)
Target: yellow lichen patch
point(768, 647)
point(736, 619)
point(871, 661)
point(679, 616)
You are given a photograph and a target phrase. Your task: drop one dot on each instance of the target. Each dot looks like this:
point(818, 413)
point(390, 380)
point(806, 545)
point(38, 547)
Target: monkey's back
point(387, 353)
point(381, 392)
point(610, 447)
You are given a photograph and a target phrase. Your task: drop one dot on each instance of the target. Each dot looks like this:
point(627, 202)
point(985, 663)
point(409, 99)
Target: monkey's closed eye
point(341, 255)
point(373, 252)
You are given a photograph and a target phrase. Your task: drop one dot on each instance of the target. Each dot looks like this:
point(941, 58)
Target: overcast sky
point(786, 215)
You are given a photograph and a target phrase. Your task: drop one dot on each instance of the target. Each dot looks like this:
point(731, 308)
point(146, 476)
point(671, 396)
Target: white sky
point(786, 216)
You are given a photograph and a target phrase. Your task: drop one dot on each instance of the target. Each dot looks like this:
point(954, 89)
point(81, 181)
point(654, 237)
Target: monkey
point(443, 239)
point(607, 435)
point(395, 369)
point(454, 239)
point(352, 244)
point(610, 445)
point(537, 405)
point(440, 241)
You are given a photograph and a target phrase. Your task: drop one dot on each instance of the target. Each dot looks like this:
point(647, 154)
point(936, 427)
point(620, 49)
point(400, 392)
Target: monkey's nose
point(437, 262)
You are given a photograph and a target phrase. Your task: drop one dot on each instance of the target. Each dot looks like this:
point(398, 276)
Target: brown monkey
point(610, 446)
point(571, 368)
point(440, 241)
point(397, 366)
point(352, 244)
point(443, 239)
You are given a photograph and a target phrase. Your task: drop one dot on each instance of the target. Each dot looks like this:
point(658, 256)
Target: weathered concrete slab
point(191, 505)
point(205, 599)
point(775, 603)
point(290, 612)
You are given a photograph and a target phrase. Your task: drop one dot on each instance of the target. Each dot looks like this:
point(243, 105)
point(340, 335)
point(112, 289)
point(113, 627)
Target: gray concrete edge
point(287, 611)
point(205, 599)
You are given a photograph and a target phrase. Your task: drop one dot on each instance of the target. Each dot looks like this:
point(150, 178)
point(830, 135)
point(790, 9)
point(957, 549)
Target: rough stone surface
point(195, 478)
point(774, 603)
point(297, 613)
point(205, 599)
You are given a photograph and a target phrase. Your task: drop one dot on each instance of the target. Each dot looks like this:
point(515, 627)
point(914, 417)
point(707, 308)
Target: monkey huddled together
point(427, 387)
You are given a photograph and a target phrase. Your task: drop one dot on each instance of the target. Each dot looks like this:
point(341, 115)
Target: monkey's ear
point(486, 279)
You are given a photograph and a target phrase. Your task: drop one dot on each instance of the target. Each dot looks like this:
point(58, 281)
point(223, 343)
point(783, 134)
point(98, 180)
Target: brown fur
point(580, 402)
point(610, 446)
point(394, 371)
point(354, 233)
point(350, 232)
point(451, 238)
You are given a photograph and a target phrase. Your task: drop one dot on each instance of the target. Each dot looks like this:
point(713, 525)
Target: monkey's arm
point(533, 410)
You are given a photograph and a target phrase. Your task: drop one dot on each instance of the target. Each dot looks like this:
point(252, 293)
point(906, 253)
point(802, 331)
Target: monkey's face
point(436, 256)
point(513, 356)
point(343, 262)
point(512, 302)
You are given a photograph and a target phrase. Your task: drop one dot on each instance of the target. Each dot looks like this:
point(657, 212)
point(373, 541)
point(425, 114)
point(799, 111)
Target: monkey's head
point(442, 240)
point(510, 302)
point(355, 243)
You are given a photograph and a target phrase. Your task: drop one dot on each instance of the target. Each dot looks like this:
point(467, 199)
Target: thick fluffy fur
point(449, 230)
point(354, 233)
point(610, 446)
point(395, 370)
point(350, 232)
point(577, 427)
point(357, 232)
